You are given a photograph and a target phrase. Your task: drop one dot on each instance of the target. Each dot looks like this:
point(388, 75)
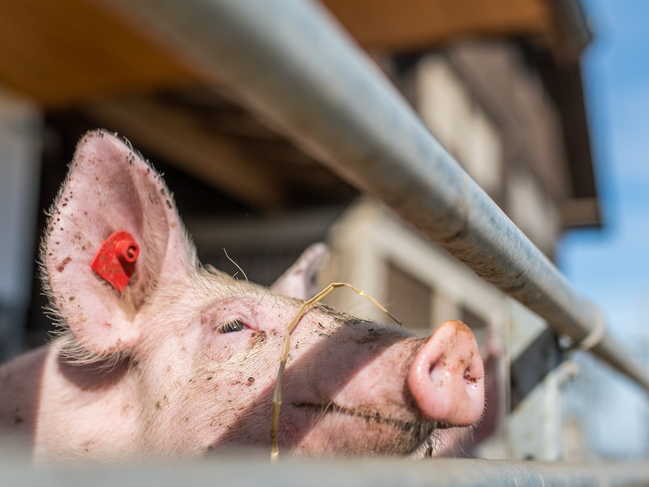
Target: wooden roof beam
point(176, 136)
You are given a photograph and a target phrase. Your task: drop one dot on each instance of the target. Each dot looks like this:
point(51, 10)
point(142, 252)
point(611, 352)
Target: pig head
point(183, 361)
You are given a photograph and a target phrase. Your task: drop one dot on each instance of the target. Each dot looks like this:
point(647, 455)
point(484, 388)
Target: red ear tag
point(115, 260)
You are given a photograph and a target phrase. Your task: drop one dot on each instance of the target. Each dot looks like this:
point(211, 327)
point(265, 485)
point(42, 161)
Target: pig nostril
point(447, 380)
point(470, 376)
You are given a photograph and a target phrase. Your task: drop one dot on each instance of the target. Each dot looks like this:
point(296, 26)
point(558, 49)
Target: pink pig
point(185, 359)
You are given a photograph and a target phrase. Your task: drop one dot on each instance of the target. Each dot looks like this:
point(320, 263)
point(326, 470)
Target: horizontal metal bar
point(294, 64)
point(375, 473)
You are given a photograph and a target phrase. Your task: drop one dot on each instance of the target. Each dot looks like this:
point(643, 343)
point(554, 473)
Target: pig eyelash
point(231, 326)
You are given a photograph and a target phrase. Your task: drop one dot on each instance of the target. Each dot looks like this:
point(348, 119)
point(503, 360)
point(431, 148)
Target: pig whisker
point(244, 274)
point(324, 410)
point(262, 295)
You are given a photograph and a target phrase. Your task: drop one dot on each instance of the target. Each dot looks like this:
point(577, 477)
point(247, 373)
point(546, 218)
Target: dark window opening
point(409, 300)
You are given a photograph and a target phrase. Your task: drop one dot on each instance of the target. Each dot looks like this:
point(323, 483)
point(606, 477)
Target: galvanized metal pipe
point(376, 473)
point(293, 63)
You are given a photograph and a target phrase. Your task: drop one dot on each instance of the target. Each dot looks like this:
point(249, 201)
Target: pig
point(182, 362)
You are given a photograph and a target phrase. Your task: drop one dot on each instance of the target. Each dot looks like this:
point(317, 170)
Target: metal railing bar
point(292, 62)
point(376, 473)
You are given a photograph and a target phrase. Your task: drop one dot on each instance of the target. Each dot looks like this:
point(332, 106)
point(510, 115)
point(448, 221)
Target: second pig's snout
point(446, 377)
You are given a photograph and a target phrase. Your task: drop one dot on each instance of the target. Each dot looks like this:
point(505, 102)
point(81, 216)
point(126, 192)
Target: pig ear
point(301, 279)
point(110, 188)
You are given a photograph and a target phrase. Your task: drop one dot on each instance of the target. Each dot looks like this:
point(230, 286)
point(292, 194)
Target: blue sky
point(611, 266)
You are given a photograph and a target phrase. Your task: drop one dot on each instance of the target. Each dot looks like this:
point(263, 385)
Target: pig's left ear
point(111, 188)
point(301, 279)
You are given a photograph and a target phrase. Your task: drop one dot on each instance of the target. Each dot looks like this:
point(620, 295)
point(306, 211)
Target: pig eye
point(231, 326)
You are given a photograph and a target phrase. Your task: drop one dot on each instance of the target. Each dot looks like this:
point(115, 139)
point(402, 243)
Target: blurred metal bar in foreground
point(376, 473)
point(293, 63)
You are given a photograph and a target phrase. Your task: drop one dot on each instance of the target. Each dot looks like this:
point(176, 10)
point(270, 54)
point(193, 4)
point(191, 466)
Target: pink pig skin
point(150, 374)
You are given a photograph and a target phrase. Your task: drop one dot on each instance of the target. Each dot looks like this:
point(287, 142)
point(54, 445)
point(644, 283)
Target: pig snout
point(446, 377)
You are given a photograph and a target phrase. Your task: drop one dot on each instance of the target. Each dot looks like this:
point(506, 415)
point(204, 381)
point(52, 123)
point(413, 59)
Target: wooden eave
point(69, 52)
point(409, 25)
